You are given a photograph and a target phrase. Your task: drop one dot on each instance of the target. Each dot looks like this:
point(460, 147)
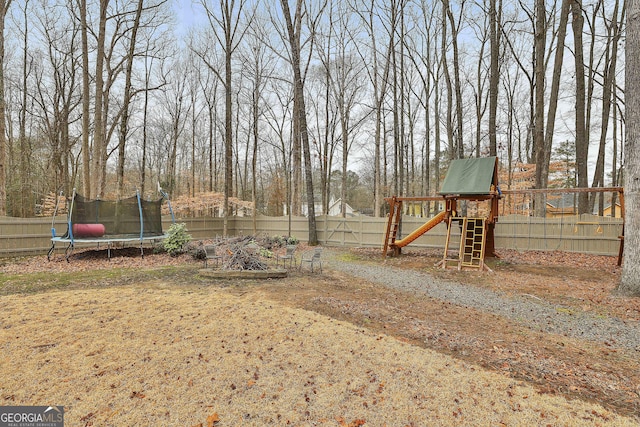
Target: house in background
point(567, 205)
point(334, 209)
point(608, 209)
point(562, 205)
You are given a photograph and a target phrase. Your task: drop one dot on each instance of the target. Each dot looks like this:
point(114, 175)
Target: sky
point(187, 16)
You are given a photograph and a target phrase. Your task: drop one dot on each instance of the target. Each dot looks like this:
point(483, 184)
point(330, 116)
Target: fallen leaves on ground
point(183, 348)
point(555, 365)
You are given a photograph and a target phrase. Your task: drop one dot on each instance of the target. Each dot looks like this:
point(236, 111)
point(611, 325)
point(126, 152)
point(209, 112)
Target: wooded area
point(292, 103)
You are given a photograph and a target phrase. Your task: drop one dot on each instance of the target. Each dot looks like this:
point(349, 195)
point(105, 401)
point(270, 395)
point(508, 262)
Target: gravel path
point(527, 310)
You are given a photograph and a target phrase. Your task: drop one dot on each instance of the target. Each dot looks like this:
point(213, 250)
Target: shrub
point(292, 240)
point(266, 253)
point(177, 238)
point(282, 241)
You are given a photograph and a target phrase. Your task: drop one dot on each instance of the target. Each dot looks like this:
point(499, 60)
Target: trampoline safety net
point(130, 217)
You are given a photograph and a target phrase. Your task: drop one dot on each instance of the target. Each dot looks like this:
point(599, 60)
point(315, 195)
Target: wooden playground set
point(467, 245)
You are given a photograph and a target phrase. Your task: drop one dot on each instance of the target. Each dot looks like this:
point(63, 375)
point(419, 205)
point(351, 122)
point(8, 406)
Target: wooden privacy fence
point(585, 233)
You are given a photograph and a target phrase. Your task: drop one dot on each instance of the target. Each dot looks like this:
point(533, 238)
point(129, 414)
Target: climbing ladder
point(451, 241)
point(472, 241)
point(393, 225)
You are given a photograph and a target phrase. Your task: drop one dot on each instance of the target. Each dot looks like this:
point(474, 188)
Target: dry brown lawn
point(158, 354)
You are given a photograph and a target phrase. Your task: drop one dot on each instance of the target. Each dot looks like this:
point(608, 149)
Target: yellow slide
point(421, 230)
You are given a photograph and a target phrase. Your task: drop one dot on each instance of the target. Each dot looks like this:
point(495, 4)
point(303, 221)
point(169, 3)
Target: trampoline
point(106, 223)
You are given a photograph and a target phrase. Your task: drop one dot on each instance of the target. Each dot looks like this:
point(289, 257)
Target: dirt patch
point(169, 341)
point(555, 364)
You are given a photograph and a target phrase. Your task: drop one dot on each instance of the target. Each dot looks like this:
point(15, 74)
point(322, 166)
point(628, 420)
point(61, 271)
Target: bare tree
point(256, 95)
point(454, 27)
point(177, 110)
point(4, 8)
point(294, 24)
point(278, 115)
point(86, 100)
point(259, 71)
point(378, 73)
point(209, 88)
point(495, 18)
point(582, 143)
point(526, 148)
point(444, 47)
point(124, 122)
point(540, 41)
point(614, 31)
point(23, 200)
point(155, 46)
point(326, 115)
point(57, 93)
point(342, 69)
point(543, 154)
point(485, 34)
point(422, 53)
point(229, 20)
point(630, 278)
point(99, 155)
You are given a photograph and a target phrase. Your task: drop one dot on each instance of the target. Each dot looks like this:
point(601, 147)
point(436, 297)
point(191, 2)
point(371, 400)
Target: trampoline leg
point(51, 249)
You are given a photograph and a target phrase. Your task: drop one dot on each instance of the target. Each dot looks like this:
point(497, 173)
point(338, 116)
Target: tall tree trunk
point(86, 102)
point(404, 170)
point(124, 123)
point(614, 149)
point(397, 143)
point(543, 158)
point(427, 124)
point(344, 125)
point(607, 100)
point(4, 7)
point(591, 72)
point(447, 76)
point(99, 136)
point(630, 278)
point(210, 98)
point(380, 91)
point(228, 130)
point(145, 121)
point(379, 86)
point(480, 102)
point(296, 163)
point(325, 164)
point(436, 146)
point(300, 112)
point(539, 76)
point(254, 157)
point(210, 140)
point(457, 85)
point(494, 46)
point(25, 207)
point(194, 119)
point(582, 144)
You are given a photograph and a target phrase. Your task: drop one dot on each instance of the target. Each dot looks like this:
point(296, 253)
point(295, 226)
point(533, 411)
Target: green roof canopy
point(471, 176)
